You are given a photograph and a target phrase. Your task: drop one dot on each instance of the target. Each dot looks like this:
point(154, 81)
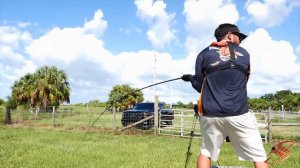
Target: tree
point(96, 103)
point(21, 90)
point(47, 86)
point(1, 102)
point(93, 103)
point(268, 97)
point(190, 105)
point(180, 105)
point(123, 97)
point(11, 102)
point(258, 104)
point(290, 100)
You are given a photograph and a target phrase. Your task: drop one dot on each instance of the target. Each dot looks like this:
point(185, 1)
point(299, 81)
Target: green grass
point(286, 130)
point(42, 147)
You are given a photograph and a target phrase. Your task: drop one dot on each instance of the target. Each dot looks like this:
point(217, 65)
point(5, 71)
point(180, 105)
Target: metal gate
point(181, 125)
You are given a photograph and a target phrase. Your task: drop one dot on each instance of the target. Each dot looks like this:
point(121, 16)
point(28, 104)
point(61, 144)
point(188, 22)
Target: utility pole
point(171, 95)
point(154, 75)
point(156, 120)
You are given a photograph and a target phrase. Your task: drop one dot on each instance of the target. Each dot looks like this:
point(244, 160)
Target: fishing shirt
point(224, 92)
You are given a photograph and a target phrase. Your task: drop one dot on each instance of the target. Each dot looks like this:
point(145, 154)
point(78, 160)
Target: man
point(221, 76)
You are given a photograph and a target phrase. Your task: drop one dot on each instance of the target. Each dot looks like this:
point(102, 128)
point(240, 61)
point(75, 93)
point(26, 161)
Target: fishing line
point(120, 100)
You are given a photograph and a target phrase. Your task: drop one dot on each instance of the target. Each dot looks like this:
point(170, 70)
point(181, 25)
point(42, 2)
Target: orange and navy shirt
point(224, 92)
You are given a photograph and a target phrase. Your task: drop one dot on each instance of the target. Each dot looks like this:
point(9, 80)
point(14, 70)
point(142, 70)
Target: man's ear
point(230, 37)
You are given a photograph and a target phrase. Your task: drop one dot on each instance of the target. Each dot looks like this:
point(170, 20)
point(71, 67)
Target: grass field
point(47, 147)
point(33, 142)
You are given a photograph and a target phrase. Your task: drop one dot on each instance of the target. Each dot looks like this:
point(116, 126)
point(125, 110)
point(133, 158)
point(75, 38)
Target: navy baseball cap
point(223, 29)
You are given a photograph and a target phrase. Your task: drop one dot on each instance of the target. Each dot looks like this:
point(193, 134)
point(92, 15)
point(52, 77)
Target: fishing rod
point(120, 100)
point(189, 153)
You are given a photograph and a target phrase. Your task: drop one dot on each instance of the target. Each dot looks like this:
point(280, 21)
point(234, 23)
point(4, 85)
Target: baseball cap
point(223, 29)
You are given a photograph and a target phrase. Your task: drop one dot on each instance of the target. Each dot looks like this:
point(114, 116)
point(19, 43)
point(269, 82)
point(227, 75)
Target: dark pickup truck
point(143, 110)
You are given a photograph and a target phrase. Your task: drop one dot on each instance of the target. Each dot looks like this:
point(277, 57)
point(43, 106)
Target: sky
point(104, 43)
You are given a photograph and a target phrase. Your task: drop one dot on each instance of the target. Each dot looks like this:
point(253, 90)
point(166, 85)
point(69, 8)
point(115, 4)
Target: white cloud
point(23, 24)
point(27, 67)
point(20, 54)
point(8, 54)
point(11, 36)
point(203, 17)
point(66, 45)
point(273, 64)
point(97, 25)
point(80, 52)
point(268, 13)
point(13, 64)
point(92, 68)
point(160, 22)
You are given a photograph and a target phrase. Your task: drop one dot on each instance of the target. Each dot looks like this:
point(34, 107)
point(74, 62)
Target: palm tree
point(22, 89)
point(47, 86)
point(52, 87)
point(123, 97)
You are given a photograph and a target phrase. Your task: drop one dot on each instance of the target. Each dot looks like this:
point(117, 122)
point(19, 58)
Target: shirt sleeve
point(197, 79)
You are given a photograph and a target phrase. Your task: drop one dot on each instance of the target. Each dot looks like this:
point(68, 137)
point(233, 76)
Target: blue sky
point(102, 43)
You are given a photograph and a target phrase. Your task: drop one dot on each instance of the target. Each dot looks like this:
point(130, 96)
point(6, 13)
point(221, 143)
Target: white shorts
point(243, 134)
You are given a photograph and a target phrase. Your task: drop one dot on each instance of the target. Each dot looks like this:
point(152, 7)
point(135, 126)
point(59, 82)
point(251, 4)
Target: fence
point(183, 121)
point(181, 124)
point(69, 117)
point(271, 123)
point(284, 124)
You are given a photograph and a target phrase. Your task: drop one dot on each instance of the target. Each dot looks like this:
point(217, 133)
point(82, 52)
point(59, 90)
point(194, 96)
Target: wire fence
point(282, 124)
point(66, 116)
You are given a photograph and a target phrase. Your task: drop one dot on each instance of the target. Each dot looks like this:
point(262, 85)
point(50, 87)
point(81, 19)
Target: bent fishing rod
point(120, 100)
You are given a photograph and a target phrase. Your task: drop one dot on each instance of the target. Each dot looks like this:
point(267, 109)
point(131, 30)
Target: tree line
point(49, 86)
point(287, 99)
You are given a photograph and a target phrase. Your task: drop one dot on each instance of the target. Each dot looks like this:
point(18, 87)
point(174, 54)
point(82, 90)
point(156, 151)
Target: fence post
point(7, 116)
point(115, 119)
point(270, 124)
point(156, 115)
point(181, 123)
point(282, 110)
point(53, 116)
point(36, 112)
